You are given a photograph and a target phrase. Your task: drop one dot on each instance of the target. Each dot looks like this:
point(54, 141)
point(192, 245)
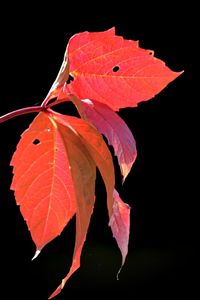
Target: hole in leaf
point(70, 78)
point(36, 142)
point(116, 68)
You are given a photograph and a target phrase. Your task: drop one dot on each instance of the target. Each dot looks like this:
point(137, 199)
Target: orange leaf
point(114, 71)
point(97, 148)
point(84, 174)
point(42, 180)
point(86, 149)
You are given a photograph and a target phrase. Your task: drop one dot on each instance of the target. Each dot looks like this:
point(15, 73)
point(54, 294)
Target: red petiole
point(28, 110)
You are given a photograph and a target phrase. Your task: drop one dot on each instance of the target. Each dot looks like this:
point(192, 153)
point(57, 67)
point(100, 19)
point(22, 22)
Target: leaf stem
point(46, 100)
point(28, 110)
point(19, 112)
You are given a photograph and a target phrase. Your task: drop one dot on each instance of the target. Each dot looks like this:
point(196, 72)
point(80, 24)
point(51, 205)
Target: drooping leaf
point(86, 136)
point(42, 180)
point(109, 69)
point(120, 224)
point(84, 174)
point(56, 148)
point(97, 149)
point(112, 126)
point(115, 130)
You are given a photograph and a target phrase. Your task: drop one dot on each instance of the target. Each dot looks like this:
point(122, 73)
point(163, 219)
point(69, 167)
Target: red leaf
point(111, 125)
point(120, 224)
point(120, 212)
point(115, 130)
point(114, 71)
point(84, 174)
point(63, 73)
point(54, 177)
point(42, 180)
point(82, 136)
point(56, 158)
point(97, 149)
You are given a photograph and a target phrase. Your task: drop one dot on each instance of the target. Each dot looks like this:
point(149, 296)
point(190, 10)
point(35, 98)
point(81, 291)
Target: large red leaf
point(115, 130)
point(109, 123)
point(54, 177)
point(114, 71)
point(63, 73)
point(82, 136)
point(112, 126)
point(42, 180)
point(84, 174)
point(119, 212)
point(97, 149)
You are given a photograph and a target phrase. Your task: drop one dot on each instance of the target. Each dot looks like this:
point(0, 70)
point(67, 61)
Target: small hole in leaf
point(36, 142)
point(116, 68)
point(70, 78)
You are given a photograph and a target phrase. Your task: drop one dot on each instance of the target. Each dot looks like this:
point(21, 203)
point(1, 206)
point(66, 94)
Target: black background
point(161, 186)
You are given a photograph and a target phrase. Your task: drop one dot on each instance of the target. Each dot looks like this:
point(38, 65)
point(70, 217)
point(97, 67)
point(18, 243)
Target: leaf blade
point(97, 149)
point(84, 174)
point(41, 173)
point(120, 225)
point(115, 130)
point(93, 64)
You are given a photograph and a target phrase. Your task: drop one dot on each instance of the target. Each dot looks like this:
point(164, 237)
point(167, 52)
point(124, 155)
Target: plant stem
point(46, 100)
point(19, 112)
point(28, 110)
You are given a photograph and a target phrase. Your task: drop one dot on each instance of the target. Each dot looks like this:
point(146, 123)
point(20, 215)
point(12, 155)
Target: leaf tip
point(111, 30)
point(181, 72)
point(119, 272)
point(175, 75)
point(56, 292)
point(37, 252)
